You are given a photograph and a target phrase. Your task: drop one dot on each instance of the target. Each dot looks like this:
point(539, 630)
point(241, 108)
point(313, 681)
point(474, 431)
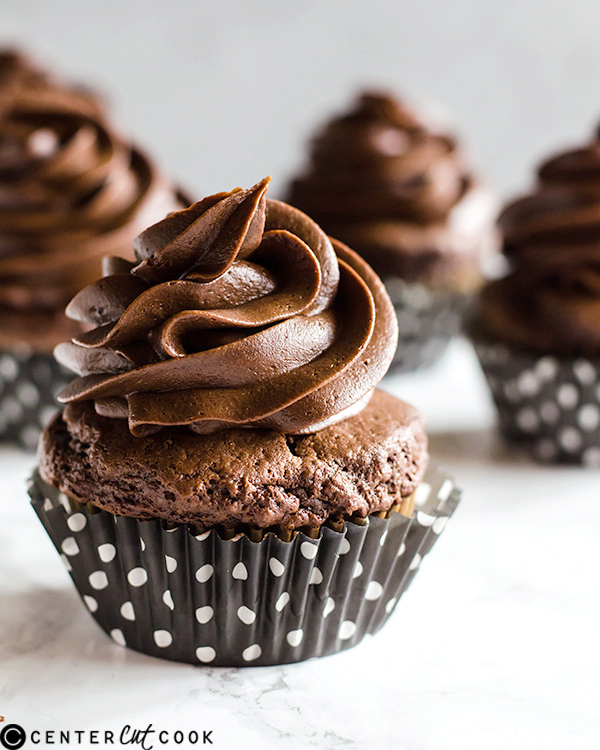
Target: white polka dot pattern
point(28, 384)
point(316, 577)
point(426, 323)
point(204, 573)
point(252, 652)
point(240, 572)
point(246, 615)
point(422, 494)
point(276, 567)
point(127, 611)
point(90, 603)
point(344, 547)
point(424, 518)
point(374, 591)
point(527, 419)
point(117, 635)
point(204, 614)
point(309, 550)
point(588, 417)
point(567, 395)
point(294, 637)
point(205, 654)
point(570, 439)
point(137, 577)
point(76, 522)
point(107, 552)
point(347, 630)
point(162, 638)
point(549, 405)
point(585, 372)
point(98, 580)
point(70, 546)
point(204, 601)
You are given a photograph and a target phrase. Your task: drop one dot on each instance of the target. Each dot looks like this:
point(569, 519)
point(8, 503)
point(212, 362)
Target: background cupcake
point(71, 191)
point(400, 194)
point(538, 329)
point(227, 395)
point(23, 81)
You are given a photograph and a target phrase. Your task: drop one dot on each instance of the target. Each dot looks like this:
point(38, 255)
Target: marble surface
point(495, 645)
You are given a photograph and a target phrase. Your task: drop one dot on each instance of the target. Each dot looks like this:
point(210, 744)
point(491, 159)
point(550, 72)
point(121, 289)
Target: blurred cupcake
point(71, 191)
point(537, 330)
point(226, 484)
point(400, 194)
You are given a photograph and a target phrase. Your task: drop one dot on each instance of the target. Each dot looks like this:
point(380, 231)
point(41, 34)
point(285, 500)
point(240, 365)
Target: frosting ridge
point(239, 311)
point(397, 192)
point(71, 189)
point(551, 237)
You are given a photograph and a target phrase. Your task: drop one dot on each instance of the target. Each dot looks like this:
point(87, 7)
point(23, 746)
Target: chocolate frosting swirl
point(398, 193)
point(71, 190)
point(239, 312)
point(23, 82)
point(551, 299)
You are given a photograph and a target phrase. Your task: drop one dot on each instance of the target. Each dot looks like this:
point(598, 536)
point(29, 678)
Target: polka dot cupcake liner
point(203, 599)
point(29, 384)
point(427, 320)
point(549, 405)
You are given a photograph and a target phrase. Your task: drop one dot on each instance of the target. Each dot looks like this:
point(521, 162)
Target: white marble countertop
point(495, 645)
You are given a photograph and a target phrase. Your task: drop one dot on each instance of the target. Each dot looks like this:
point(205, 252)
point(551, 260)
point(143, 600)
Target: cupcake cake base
point(203, 599)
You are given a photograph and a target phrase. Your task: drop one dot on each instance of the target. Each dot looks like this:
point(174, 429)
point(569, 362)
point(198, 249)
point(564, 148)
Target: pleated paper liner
point(29, 384)
point(427, 321)
point(548, 405)
point(204, 599)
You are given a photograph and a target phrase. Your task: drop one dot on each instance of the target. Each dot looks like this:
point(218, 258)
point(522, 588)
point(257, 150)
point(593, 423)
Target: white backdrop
point(503, 623)
point(225, 92)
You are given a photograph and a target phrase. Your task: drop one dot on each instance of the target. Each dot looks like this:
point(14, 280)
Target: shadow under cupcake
point(397, 192)
point(226, 485)
point(537, 331)
point(71, 191)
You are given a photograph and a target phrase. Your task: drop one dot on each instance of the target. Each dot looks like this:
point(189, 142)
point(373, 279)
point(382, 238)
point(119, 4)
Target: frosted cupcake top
point(239, 311)
point(398, 192)
point(551, 298)
point(71, 189)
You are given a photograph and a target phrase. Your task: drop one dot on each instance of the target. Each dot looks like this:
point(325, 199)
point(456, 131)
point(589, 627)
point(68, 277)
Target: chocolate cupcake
point(226, 484)
point(71, 191)
point(24, 82)
point(537, 330)
point(400, 195)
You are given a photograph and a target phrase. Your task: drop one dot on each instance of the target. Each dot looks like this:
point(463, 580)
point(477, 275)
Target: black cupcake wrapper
point(549, 405)
point(29, 384)
point(427, 321)
point(206, 600)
